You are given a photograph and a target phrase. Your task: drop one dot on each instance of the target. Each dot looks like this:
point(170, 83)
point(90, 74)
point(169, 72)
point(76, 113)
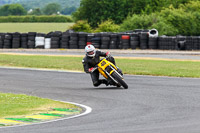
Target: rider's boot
point(103, 81)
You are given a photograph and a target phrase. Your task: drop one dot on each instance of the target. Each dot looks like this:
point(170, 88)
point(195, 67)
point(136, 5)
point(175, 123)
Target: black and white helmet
point(90, 50)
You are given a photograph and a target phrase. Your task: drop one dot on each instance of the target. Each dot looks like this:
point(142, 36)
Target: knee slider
point(96, 83)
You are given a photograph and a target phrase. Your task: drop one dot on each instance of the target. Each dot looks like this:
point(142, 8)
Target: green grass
point(129, 66)
point(160, 67)
point(34, 27)
point(13, 105)
point(52, 62)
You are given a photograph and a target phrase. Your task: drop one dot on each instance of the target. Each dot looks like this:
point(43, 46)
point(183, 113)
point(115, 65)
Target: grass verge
point(34, 27)
point(129, 66)
point(13, 105)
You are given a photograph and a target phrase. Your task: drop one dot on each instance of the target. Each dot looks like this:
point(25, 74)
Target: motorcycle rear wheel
point(121, 81)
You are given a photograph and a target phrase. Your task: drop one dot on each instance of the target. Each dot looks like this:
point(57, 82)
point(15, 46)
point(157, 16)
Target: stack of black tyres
point(40, 34)
point(181, 42)
point(48, 35)
point(196, 41)
point(65, 40)
point(189, 43)
point(167, 42)
point(90, 36)
point(134, 41)
point(105, 40)
point(144, 40)
point(16, 43)
point(96, 40)
point(55, 39)
point(161, 42)
point(8, 41)
point(73, 43)
point(125, 41)
point(2, 36)
point(119, 43)
point(171, 43)
point(138, 30)
point(24, 40)
point(113, 41)
point(31, 40)
point(82, 40)
point(153, 43)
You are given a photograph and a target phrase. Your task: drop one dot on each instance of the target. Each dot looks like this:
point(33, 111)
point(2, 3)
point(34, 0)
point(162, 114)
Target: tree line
point(170, 17)
point(49, 9)
point(32, 4)
point(118, 10)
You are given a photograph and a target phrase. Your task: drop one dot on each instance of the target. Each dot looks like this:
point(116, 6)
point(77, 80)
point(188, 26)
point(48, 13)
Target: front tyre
point(121, 81)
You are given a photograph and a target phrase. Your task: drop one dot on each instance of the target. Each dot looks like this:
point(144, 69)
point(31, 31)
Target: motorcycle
point(109, 71)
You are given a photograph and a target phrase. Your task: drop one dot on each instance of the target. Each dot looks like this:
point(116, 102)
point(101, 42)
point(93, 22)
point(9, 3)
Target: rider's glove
point(108, 55)
point(91, 69)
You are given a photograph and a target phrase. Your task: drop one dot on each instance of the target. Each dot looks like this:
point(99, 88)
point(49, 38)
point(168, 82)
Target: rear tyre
point(121, 81)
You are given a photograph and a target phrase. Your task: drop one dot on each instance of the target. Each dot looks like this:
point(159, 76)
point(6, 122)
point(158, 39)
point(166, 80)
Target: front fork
point(116, 72)
point(109, 74)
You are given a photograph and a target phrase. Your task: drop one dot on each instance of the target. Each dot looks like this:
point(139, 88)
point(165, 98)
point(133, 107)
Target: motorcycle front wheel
point(121, 81)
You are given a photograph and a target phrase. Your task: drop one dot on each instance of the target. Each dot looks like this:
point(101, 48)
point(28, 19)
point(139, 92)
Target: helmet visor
point(90, 53)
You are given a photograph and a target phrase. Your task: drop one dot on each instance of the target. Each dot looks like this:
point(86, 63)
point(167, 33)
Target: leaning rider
point(91, 60)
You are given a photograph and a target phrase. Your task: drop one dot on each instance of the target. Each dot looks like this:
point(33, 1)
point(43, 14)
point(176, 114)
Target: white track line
point(87, 111)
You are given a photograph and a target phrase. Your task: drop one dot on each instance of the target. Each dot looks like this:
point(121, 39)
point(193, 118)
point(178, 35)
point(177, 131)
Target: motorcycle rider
point(91, 60)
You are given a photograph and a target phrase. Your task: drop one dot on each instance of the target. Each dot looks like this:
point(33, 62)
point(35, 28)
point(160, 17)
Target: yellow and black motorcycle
point(110, 72)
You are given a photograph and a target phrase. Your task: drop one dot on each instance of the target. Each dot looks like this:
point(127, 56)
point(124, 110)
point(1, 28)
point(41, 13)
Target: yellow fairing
point(103, 65)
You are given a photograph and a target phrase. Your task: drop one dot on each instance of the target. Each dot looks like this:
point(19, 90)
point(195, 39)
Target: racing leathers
point(90, 62)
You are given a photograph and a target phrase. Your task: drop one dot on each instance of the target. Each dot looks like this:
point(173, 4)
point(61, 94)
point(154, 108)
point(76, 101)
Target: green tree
point(36, 11)
point(137, 6)
point(97, 11)
point(52, 8)
point(12, 9)
point(68, 10)
point(4, 10)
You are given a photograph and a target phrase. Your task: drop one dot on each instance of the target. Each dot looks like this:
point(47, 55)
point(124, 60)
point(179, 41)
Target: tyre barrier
point(144, 40)
point(137, 39)
point(153, 33)
point(113, 41)
point(105, 40)
point(24, 40)
point(31, 40)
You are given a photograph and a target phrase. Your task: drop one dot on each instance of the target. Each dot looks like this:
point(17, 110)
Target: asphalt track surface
point(150, 105)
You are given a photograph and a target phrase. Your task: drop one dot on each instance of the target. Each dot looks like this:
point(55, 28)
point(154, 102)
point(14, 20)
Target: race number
point(103, 63)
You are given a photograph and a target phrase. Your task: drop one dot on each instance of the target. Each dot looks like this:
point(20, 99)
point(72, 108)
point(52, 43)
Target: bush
point(108, 26)
point(33, 19)
point(139, 22)
point(164, 28)
point(170, 21)
point(187, 23)
point(81, 26)
point(192, 6)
